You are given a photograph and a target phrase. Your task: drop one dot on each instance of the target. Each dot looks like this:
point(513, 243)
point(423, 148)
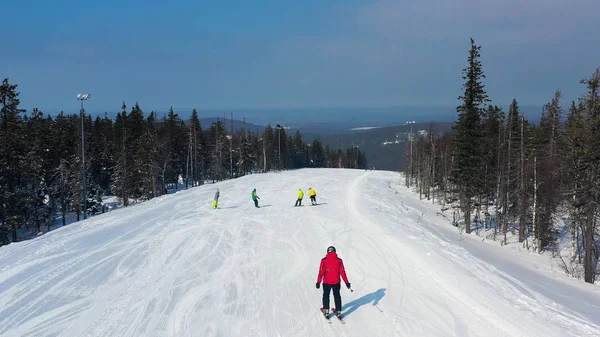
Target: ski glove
point(348, 285)
point(318, 285)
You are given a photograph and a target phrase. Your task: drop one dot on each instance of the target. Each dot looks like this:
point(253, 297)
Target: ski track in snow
point(175, 267)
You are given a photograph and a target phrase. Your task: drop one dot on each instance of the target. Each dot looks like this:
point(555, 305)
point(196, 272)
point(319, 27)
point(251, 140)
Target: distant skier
point(216, 202)
point(300, 197)
point(330, 270)
point(313, 196)
point(255, 198)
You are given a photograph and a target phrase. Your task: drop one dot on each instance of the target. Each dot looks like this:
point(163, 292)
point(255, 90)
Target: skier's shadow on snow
point(374, 297)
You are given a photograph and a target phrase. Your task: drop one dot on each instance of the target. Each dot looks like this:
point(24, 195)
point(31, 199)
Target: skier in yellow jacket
point(300, 197)
point(216, 200)
point(313, 196)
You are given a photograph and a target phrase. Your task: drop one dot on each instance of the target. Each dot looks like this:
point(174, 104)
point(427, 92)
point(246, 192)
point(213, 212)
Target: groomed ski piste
point(173, 266)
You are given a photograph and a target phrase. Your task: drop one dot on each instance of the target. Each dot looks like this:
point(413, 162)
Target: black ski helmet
point(331, 249)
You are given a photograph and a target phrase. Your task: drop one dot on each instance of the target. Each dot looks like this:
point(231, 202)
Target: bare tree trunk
point(264, 156)
point(125, 183)
point(194, 157)
point(419, 181)
point(154, 185)
point(580, 240)
point(536, 242)
point(588, 266)
point(573, 237)
point(468, 216)
point(220, 148)
point(496, 222)
point(188, 159)
point(445, 179)
point(504, 226)
point(498, 181)
point(406, 169)
point(243, 139)
point(487, 198)
point(522, 188)
point(432, 184)
point(164, 186)
point(508, 177)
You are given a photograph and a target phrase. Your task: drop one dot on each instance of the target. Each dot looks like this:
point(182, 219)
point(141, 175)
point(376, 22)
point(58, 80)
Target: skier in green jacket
point(255, 198)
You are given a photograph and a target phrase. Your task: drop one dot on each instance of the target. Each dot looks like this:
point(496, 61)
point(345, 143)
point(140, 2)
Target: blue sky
point(287, 54)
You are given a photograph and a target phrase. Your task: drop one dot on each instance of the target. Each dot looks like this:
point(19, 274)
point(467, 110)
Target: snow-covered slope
point(175, 267)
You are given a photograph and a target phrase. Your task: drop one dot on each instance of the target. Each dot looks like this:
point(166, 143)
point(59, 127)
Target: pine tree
point(11, 158)
point(300, 152)
point(513, 137)
point(281, 152)
point(317, 154)
point(525, 179)
point(176, 139)
point(65, 173)
point(582, 158)
point(197, 148)
point(120, 181)
point(269, 149)
point(152, 168)
point(492, 129)
point(217, 151)
point(546, 137)
point(34, 166)
point(102, 153)
point(136, 154)
point(467, 166)
point(248, 158)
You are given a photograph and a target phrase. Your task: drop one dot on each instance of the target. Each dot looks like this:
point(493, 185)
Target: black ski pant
point(298, 202)
point(256, 202)
point(337, 298)
point(313, 199)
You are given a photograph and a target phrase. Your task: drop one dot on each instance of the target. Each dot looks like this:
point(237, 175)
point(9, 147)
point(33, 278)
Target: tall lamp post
point(83, 97)
point(230, 137)
point(264, 153)
point(279, 136)
point(411, 152)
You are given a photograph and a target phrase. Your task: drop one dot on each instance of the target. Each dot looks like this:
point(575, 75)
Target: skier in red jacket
point(330, 270)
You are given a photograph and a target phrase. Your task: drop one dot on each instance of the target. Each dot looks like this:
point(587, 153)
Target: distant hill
point(384, 147)
point(237, 125)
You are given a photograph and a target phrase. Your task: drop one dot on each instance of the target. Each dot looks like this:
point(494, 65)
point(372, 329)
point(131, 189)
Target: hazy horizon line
point(273, 109)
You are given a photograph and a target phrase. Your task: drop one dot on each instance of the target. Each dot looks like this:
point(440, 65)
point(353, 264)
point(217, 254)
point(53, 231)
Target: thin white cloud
point(507, 21)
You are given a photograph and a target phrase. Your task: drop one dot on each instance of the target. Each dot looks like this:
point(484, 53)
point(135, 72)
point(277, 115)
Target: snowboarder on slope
point(255, 197)
point(313, 196)
point(300, 197)
point(330, 270)
point(216, 202)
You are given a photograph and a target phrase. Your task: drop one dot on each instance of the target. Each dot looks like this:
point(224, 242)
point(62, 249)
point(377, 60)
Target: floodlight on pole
point(279, 136)
point(83, 97)
point(411, 151)
point(230, 137)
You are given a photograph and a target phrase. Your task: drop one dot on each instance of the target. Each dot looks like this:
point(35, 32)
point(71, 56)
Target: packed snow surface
point(175, 267)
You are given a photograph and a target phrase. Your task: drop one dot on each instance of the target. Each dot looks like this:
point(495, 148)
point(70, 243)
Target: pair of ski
point(327, 317)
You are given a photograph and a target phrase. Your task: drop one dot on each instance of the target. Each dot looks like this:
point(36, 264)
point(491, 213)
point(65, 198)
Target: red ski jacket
point(330, 270)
